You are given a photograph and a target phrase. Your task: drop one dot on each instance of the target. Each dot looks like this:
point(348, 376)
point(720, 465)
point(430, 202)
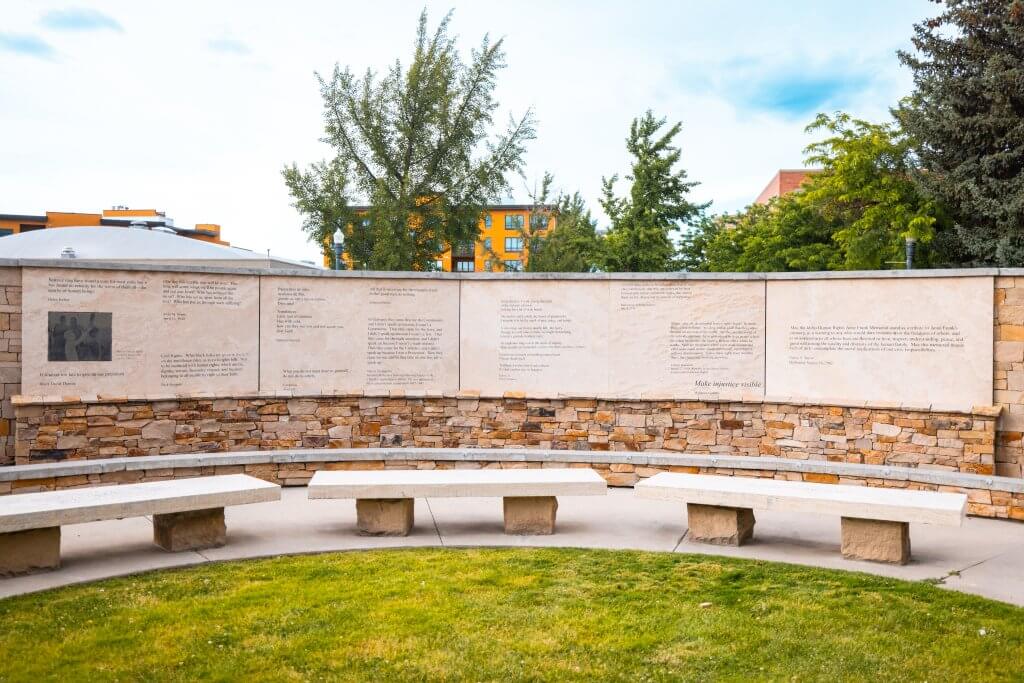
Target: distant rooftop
point(785, 181)
point(137, 245)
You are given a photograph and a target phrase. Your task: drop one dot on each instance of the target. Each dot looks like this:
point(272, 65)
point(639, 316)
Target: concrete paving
point(984, 557)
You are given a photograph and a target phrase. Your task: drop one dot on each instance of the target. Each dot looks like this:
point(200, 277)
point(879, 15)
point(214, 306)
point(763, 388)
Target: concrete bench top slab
point(895, 505)
point(74, 506)
point(456, 483)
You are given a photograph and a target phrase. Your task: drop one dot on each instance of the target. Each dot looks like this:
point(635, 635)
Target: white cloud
point(152, 116)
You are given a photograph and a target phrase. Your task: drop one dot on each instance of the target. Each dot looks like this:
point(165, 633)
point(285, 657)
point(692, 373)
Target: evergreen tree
point(417, 145)
point(572, 246)
point(967, 113)
point(643, 224)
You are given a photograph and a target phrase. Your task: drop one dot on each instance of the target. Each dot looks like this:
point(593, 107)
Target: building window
point(487, 243)
point(464, 250)
point(4, 232)
point(488, 266)
point(438, 264)
point(540, 220)
point(513, 244)
point(514, 265)
point(464, 266)
point(487, 220)
point(514, 221)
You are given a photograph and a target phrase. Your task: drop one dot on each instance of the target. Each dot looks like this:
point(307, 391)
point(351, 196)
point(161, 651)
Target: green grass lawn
point(507, 614)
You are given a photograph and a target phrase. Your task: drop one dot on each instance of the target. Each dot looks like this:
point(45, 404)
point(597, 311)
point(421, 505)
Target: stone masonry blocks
point(719, 525)
point(22, 552)
point(384, 517)
point(192, 530)
point(530, 515)
point(876, 540)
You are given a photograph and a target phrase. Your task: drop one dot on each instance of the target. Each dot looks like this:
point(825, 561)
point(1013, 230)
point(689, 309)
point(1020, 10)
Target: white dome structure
point(133, 245)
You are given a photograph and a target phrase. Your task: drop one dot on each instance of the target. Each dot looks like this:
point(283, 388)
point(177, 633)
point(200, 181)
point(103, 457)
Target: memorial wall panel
point(89, 332)
point(539, 337)
point(686, 338)
point(321, 335)
point(910, 341)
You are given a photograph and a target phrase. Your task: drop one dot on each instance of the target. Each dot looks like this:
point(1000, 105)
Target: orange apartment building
point(500, 246)
point(14, 223)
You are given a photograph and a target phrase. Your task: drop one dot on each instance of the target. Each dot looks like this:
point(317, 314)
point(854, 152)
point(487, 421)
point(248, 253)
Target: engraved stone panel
point(121, 333)
point(686, 338)
point(543, 338)
point(353, 335)
point(907, 341)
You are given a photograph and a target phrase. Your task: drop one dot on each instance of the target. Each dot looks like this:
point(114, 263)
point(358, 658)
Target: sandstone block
point(192, 530)
point(384, 517)
point(159, 430)
point(719, 525)
point(883, 429)
point(530, 515)
point(22, 552)
point(875, 540)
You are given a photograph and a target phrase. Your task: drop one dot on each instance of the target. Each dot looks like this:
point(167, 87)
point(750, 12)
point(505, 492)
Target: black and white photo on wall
point(79, 336)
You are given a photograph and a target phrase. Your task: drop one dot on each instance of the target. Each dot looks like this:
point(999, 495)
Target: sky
point(193, 108)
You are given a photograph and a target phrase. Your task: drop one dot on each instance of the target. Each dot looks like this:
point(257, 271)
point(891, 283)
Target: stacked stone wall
point(943, 441)
point(10, 357)
point(1008, 374)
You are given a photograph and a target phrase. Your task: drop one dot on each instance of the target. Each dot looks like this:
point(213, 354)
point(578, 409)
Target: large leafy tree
point(855, 214)
point(644, 222)
point(866, 191)
point(783, 235)
point(967, 113)
point(417, 144)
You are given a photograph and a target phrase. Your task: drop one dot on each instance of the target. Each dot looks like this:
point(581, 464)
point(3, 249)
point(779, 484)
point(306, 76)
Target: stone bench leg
point(192, 530)
point(530, 515)
point(384, 516)
point(719, 525)
point(22, 552)
point(877, 540)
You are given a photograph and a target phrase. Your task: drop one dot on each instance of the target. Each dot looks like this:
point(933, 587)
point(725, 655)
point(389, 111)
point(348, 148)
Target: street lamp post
point(339, 249)
point(910, 244)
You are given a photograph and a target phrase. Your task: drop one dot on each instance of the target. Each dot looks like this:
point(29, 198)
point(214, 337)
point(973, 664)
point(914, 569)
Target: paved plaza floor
point(985, 557)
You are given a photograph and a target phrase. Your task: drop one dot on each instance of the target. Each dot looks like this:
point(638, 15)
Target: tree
point(416, 144)
point(321, 196)
point(643, 224)
point(967, 114)
point(867, 191)
point(572, 246)
point(783, 235)
point(854, 214)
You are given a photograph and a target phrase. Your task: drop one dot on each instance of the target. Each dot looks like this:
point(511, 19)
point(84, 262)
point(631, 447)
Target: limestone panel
point(908, 341)
point(541, 338)
point(89, 332)
point(359, 335)
point(686, 339)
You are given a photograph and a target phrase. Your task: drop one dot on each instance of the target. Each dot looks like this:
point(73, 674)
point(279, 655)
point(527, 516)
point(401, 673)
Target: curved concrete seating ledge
point(296, 467)
point(646, 458)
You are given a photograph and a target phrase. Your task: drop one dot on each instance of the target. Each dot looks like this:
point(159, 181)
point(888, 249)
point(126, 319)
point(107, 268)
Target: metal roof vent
point(67, 252)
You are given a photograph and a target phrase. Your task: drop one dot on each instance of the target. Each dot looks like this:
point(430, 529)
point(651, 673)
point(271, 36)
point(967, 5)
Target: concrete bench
point(875, 521)
point(384, 498)
point(188, 514)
